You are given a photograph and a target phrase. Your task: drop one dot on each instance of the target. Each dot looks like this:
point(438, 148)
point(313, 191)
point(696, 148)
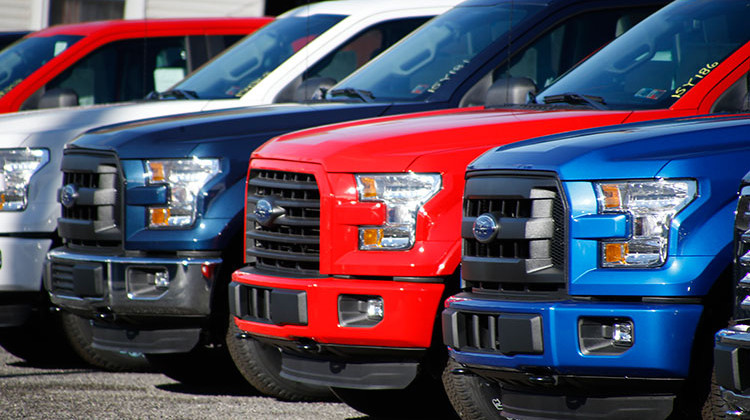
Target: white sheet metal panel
point(16, 15)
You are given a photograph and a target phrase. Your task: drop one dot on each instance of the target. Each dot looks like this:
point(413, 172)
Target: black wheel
point(79, 334)
point(472, 397)
point(202, 366)
point(424, 398)
point(32, 342)
point(260, 364)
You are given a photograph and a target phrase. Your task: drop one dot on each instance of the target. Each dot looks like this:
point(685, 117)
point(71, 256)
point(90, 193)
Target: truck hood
point(181, 135)
point(393, 144)
point(20, 129)
point(640, 150)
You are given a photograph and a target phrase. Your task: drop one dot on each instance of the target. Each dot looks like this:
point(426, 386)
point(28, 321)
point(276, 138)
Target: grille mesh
point(290, 239)
point(527, 253)
point(93, 220)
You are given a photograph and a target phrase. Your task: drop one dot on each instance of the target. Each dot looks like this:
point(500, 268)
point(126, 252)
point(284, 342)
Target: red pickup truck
point(110, 61)
point(353, 230)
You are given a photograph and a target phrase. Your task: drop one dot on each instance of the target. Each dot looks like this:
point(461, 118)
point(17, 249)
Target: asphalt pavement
point(80, 392)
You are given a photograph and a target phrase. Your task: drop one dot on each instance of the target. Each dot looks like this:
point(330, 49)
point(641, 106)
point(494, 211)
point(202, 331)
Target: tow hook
point(543, 380)
point(460, 371)
point(308, 346)
point(243, 336)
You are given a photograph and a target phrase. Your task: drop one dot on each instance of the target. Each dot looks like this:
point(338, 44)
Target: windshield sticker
point(703, 72)
point(418, 89)
point(650, 93)
point(435, 86)
point(10, 87)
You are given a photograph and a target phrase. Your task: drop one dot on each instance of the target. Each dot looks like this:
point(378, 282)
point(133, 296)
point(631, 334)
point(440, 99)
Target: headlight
point(18, 167)
point(185, 178)
point(651, 205)
point(403, 196)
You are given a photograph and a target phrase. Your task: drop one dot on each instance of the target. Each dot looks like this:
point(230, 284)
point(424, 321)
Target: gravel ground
point(79, 392)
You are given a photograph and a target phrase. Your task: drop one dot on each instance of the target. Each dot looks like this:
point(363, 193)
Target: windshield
point(415, 68)
point(659, 60)
point(243, 66)
point(24, 57)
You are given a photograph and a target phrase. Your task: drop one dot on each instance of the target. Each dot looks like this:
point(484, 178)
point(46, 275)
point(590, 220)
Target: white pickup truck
point(288, 60)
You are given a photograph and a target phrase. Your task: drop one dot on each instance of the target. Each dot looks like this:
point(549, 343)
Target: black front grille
point(289, 239)
point(92, 218)
point(526, 255)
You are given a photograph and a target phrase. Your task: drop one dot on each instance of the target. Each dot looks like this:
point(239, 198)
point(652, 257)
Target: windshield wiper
point(174, 93)
point(363, 95)
point(596, 102)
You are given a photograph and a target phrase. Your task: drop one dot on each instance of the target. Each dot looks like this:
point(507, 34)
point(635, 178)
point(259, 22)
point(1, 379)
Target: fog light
point(360, 311)
point(605, 336)
point(622, 333)
point(375, 309)
point(161, 280)
point(146, 282)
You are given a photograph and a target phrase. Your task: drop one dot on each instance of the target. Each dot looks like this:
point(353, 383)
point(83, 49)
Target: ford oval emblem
point(68, 195)
point(485, 228)
point(263, 212)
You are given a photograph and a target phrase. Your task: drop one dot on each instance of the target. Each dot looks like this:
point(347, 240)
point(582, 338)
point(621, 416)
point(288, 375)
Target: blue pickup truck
point(153, 218)
point(596, 269)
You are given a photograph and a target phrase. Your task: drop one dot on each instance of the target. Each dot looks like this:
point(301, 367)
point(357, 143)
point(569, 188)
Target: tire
point(32, 342)
point(201, 367)
point(424, 398)
point(715, 406)
point(472, 397)
point(260, 364)
point(79, 334)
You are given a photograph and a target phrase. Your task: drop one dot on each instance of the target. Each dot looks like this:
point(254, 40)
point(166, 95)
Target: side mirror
point(509, 91)
point(58, 98)
point(313, 89)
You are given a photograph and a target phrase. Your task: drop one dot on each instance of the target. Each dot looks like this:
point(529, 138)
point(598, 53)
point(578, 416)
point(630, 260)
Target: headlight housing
point(184, 178)
point(403, 195)
point(18, 166)
point(651, 205)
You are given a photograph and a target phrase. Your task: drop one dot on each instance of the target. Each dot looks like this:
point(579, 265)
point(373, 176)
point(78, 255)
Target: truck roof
point(103, 27)
point(365, 7)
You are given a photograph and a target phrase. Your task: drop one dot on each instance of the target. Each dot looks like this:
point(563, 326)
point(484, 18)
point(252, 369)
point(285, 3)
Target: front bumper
point(126, 286)
point(732, 367)
point(21, 263)
point(662, 336)
point(313, 319)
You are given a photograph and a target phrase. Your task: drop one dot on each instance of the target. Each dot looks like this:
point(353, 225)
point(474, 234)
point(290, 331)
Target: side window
point(736, 98)
point(352, 55)
point(204, 47)
point(560, 48)
point(120, 71)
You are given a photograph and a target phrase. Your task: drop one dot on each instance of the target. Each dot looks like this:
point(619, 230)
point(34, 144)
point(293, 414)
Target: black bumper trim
point(145, 341)
point(642, 407)
point(15, 315)
point(366, 376)
point(547, 382)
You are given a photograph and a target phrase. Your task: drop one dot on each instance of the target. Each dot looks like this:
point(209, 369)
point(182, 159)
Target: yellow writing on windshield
point(703, 72)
